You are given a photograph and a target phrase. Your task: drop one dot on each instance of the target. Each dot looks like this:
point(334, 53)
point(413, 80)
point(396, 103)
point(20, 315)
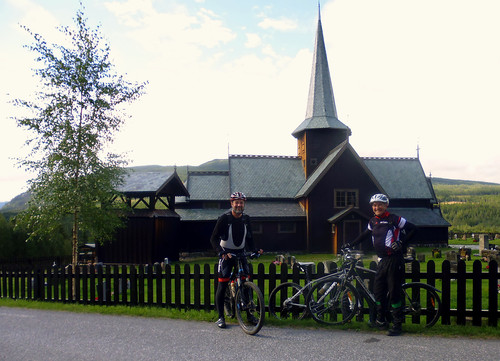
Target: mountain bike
point(244, 299)
point(288, 300)
point(337, 301)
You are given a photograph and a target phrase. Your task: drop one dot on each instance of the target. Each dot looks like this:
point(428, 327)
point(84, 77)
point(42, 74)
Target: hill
point(445, 181)
point(471, 207)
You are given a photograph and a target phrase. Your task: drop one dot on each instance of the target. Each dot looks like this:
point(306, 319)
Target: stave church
point(314, 201)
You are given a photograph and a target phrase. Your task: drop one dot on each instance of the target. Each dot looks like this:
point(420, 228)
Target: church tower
point(321, 131)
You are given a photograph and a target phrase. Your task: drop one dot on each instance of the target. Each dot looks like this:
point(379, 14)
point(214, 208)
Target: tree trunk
point(74, 256)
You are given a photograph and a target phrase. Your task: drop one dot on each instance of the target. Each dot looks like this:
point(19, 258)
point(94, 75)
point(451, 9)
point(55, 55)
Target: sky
point(232, 77)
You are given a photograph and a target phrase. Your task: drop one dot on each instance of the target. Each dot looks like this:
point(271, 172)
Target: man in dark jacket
point(385, 230)
point(232, 235)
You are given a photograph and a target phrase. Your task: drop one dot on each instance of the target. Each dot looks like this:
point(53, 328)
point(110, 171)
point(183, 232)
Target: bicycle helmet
point(379, 198)
point(238, 195)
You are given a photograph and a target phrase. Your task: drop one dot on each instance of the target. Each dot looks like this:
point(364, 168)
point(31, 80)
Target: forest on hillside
point(470, 207)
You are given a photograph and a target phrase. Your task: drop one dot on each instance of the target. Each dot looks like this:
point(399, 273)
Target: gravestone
point(453, 257)
point(484, 242)
point(465, 253)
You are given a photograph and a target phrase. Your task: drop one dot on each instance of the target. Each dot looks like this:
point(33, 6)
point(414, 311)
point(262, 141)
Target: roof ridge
point(263, 156)
point(389, 158)
point(207, 172)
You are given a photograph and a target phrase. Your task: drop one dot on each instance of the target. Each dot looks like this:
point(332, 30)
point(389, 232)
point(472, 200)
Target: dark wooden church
point(315, 201)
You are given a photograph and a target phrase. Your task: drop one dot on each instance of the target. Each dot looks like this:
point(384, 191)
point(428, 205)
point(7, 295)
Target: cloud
point(282, 24)
point(253, 40)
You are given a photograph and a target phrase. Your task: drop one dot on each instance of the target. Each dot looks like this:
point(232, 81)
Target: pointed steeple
point(321, 111)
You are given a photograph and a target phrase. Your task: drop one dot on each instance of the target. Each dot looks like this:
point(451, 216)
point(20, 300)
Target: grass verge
point(468, 331)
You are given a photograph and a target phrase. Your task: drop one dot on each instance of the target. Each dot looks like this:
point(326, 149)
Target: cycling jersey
point(232, 234)
point(386, 229)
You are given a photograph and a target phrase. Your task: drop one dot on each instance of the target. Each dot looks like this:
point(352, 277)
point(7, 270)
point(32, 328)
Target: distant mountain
point(17, 203)
point(2, 204)
point(453, 182)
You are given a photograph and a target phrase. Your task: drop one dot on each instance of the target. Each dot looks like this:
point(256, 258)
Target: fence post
point(207, 289)
point(159, 284)
point(107, 284)
point(117, 289)
point(101, 285)
point(85, 284)
point(63, 279)
point(125, 285)
point(149, 276)
point(493, 289)
point(446, 292)
point(477, 281)
point(177, 286)
point(92, 283)
point(168, 285)
point(461, 292)
point(197, 287)
point(133, 285)
point(141, 285)
point(187, 286)
point(261, 277)
point(272, 278)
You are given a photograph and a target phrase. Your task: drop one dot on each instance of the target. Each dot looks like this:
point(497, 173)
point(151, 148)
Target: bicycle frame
point(245, 300)
point(306, 288)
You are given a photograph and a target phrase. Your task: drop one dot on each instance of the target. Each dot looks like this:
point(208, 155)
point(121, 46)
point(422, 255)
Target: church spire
point(321, 111)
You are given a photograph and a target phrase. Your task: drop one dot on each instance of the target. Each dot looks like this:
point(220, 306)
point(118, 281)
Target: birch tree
point(75, 115)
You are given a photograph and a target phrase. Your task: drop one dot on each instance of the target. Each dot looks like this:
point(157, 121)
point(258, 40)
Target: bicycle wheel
point(250, 308)
point(283, 307)
point(333, 303)
point(420, 299)
point(228, 303)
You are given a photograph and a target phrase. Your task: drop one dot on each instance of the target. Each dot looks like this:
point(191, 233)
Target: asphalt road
point(27, 335)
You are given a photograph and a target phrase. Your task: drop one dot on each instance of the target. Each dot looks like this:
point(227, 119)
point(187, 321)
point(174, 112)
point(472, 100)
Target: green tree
point(74, 117)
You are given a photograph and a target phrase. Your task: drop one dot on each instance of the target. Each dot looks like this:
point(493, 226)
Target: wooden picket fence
point(192, 287)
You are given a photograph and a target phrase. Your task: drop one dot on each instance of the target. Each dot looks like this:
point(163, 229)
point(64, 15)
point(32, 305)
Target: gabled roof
point(321, 111)
point(401, 177)
point(139, 184)
point(345, 212)
point(270, 177)
point(208, 186)
point(327, 163)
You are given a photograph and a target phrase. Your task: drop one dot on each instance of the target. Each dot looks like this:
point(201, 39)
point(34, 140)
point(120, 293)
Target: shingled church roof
point(321, 111)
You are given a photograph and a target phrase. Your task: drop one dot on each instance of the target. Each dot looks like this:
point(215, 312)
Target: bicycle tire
point(282, 311)
point(228, 303)
point(421, 299)
point(250, 308)
point(332, 302)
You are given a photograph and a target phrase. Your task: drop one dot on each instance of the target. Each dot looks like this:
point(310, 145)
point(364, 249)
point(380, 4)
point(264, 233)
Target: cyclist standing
point(232, 234)
point(385, 229)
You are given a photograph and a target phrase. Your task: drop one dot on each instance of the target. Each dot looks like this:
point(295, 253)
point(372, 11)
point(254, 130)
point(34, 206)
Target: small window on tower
point(314, 161)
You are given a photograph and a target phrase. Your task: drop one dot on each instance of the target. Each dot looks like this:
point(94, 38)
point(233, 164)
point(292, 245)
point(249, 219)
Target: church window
point(346, 198)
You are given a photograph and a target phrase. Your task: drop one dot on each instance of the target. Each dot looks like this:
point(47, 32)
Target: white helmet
point(379, 198)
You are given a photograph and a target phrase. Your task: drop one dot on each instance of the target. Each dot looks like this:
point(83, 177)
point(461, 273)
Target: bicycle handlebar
point(250, 255)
